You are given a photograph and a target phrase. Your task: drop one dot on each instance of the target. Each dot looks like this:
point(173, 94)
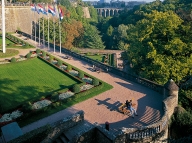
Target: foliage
point(181, 120)
point(50, 57)
point(59, 62)
point(13, 60)
point(38, 51)
point(69, 67)
point(54, 97)
point(95, 82)
point(28, 55)
point(76, 88)
point(80, 74)
point(43, 54)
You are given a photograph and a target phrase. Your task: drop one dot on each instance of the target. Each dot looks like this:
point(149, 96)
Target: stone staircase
point(68, 135)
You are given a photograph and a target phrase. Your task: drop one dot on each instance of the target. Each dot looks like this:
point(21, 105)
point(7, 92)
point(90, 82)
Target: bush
point(54, 97)
point(95, 82)
point(43, 54)
point(38, 51)
point(27, 107)
point(50, 58)
point(80, 74)
point(59, 63)
point(69, 68)
point(13, 60)
point(76, 88)
point(28, 56)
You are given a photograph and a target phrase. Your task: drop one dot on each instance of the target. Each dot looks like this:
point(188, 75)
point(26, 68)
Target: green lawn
point(95, 57)
point(23, 81)
point(8, 53)
point(6, 41)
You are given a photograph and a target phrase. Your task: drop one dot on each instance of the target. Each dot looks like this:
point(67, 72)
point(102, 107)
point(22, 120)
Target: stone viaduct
point(108, 11)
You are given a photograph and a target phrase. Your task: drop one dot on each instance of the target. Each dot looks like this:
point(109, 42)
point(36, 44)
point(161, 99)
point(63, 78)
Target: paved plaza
point(103, 107)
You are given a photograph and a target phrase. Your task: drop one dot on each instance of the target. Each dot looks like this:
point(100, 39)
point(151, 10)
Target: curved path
point(103, 107)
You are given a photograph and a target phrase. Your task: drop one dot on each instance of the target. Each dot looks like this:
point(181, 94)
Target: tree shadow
point(12, 96)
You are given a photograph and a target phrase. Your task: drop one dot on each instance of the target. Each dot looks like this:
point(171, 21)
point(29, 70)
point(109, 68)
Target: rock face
point(86, 12)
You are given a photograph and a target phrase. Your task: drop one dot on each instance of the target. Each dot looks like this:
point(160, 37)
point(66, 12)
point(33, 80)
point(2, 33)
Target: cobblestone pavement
point(103, 107)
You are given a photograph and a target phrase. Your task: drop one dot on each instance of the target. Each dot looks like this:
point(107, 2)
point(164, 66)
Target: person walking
point(130, 107)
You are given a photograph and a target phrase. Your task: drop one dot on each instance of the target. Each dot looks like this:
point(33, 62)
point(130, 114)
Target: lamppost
point(3, 24)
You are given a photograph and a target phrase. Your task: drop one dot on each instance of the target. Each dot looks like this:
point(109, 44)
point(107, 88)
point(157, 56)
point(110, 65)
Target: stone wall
point(86, 12)
point(63, 125)
point(19, 18)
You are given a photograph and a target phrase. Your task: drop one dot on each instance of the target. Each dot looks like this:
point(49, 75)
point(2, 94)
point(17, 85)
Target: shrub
point(54, 97)
point(69, 68)
point(13, 60)
point(27, 107)
point(76, 88)
point(95, 82)
point(38, 51)
point(43, 54)
point(50, 58)
point(28, 56)
point(81, 75)
point(10, 44)
point(59, 63)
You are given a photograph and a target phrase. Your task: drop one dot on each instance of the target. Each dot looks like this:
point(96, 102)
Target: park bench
point(123, 109)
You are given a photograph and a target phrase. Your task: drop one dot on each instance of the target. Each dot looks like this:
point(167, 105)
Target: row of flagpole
point(42, 9)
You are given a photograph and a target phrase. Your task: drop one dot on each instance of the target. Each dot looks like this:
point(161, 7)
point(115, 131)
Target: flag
point(60, 14)
point(36, 9)
point(32, 7)
point(51, 10)
point(44, 11)
point(41, 9)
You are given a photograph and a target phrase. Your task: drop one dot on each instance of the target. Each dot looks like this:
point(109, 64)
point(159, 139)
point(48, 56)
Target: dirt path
point(103, 107)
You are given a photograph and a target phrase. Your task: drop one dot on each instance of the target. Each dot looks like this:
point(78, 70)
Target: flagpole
point(39, 30)
point(54, 34)
point(32, 25)
point(48, 26)
point(35, 28)
point(3, 25)
point(60, 34)
point(43, 34)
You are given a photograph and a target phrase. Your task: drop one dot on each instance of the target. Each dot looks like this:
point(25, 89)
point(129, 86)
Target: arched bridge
point(108, 11)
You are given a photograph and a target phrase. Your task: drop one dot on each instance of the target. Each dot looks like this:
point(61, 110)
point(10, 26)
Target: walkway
point(103, 107)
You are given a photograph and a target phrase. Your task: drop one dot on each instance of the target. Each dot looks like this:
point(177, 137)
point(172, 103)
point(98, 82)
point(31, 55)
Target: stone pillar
point(113, 12)
point(100, 12)
point(105, 12)
point(171, 92)
point(109, 12)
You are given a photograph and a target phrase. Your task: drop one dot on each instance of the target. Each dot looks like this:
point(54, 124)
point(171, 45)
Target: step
point(76, 129)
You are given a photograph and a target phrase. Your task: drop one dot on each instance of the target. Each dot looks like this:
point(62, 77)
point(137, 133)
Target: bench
point(123, 109)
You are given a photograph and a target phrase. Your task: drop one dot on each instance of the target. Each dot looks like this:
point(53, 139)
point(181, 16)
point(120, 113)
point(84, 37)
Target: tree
point(92, 39)
point(156, 50)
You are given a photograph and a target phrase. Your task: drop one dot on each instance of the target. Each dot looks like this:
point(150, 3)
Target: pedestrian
point(130, 107)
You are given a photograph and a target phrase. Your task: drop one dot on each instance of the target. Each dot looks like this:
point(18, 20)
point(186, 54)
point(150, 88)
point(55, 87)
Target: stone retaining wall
point(63, 125)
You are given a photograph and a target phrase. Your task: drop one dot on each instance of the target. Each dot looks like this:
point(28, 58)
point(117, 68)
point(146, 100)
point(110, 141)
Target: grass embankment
point(95, 57)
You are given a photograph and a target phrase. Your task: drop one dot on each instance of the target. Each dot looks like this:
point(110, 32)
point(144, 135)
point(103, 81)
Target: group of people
point(129, 106)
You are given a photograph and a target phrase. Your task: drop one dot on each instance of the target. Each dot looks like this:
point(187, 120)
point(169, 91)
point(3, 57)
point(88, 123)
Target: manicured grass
point(95, 57)
point(23, 81)
point(8, 53)
point(7, 42)
point(74, 100)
